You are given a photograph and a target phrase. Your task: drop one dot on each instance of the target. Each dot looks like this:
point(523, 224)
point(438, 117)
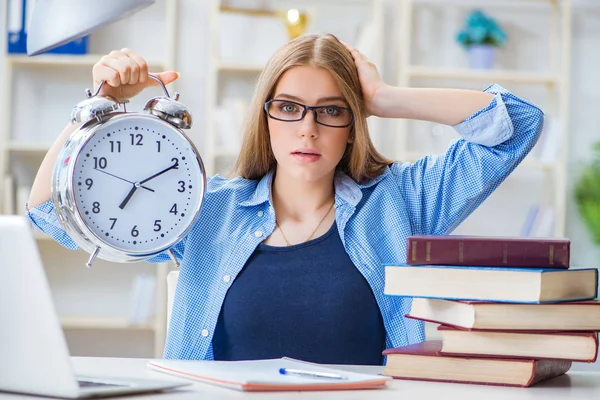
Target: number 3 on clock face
point(138, 184)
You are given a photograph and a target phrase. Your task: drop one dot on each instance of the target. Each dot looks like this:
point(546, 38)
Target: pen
point(310, 374)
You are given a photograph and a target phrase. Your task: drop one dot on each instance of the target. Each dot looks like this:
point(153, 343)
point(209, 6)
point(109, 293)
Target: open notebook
point(264, 375)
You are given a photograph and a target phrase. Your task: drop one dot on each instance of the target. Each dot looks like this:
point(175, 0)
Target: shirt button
point(260, 213)
point(226, 278)
point(258, 233)
point(204, 332)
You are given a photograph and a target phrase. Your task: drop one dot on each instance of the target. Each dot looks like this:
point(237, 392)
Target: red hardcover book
point(423, 361)
point(488, 251)
point(557, 345)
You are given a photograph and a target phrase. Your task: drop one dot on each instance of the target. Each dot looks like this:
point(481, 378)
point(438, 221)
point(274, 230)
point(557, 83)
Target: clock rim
point(64, 197)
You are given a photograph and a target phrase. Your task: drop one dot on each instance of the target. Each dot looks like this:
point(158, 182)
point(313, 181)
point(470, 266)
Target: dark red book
point(423, 361)
point(488, 251)
point(557, 345)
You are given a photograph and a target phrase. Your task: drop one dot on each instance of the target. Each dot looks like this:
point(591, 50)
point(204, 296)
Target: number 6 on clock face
point(137, 184)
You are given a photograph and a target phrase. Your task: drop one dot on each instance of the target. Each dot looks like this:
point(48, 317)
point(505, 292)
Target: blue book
point(504, 285)
point(19, 14)
point(15, 26)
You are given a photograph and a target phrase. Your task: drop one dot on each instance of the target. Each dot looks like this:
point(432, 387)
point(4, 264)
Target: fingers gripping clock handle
point(156, 78)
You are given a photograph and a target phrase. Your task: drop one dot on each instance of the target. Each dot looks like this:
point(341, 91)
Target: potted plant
point(587, 195)
point(481, 36)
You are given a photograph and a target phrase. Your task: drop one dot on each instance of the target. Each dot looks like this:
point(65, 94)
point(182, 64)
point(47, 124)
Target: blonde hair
point(360, 161)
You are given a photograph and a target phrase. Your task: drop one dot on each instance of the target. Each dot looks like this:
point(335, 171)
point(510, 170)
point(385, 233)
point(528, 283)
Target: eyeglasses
point(290, 111)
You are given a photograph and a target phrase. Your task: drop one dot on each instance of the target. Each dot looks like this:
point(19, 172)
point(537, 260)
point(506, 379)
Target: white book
point(229, 119)
point(545, 227)
point(530, 220)
point(148, 307)
point(22, 195)
point(15, 16)
point(265, 375)
point(550, 140)
point(136, 299)
point(8, 199)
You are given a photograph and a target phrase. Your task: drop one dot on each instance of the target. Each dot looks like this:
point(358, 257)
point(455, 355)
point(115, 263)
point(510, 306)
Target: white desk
point(574, 385)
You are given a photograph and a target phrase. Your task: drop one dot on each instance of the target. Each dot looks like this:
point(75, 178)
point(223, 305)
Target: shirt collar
point(262, 192)
point(346, 189)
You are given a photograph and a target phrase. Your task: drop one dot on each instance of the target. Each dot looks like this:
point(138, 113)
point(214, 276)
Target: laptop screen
point(35, 357)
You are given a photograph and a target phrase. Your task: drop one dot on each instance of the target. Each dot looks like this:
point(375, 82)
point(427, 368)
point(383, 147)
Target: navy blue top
point(307, 301)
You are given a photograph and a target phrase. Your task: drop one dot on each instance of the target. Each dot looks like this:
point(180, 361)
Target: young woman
point(287, 258)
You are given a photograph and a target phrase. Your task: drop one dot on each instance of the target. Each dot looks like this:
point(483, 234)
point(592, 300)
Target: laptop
point(34, 357)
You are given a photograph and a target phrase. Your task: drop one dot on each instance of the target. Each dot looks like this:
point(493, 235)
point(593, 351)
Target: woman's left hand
point(372, 84)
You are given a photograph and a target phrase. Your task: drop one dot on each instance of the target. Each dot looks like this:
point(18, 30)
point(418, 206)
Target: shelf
point(90, 328)
point(102, 323)
point(484, 75)
point(28, 147)
point(240, 66)
point(490, 3)
point(45, 60)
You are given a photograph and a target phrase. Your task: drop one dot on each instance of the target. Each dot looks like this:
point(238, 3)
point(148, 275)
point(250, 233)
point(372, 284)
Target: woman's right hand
point(126, 74)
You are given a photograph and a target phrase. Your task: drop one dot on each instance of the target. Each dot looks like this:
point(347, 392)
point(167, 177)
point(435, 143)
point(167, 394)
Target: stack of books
point(511, 310)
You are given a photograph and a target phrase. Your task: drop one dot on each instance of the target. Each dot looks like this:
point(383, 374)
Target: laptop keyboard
point(88, 384)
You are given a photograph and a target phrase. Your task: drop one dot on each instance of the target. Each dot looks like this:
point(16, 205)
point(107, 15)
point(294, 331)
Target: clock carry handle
point(156, 78)
point(96, 107)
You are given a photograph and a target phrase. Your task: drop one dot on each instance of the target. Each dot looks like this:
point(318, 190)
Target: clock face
point(137, 183)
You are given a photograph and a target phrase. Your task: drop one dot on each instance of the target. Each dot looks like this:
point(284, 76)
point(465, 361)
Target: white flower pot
point(482, 56)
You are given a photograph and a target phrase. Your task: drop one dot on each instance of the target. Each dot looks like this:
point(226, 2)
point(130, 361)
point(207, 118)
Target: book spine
point(448, 250)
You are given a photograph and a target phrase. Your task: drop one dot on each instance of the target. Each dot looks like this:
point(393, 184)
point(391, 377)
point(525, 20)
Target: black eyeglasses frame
point(306, 109)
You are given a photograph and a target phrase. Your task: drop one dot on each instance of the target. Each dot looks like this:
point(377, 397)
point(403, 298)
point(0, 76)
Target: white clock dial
point(137, 184)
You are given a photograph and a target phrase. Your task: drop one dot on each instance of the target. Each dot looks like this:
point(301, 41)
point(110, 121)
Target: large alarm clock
point(128, 185)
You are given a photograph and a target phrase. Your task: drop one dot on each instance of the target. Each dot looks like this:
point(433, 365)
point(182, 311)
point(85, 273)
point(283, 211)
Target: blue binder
point(19, 12)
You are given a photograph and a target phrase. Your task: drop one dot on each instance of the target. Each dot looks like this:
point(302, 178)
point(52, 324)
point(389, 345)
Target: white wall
point(585, 120)
point(528, 32)
point(433, 45)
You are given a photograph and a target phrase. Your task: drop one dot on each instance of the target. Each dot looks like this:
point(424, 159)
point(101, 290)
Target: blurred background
point(544, 51)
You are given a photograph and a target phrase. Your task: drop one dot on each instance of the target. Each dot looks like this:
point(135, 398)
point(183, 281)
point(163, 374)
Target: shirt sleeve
point(441, 191)
point(44, 218)
point(178, 249)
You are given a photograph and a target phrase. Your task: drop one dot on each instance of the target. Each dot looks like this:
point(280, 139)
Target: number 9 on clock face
point(138, 184)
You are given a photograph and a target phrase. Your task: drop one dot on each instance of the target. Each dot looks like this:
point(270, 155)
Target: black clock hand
point(123, 179)
point(139, 184)
point(174, 166)
point(128, 197)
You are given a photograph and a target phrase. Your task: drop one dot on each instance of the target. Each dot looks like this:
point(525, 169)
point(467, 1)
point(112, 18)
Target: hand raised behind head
point(370, 81)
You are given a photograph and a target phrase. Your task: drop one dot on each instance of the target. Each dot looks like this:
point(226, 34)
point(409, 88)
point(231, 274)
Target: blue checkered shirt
point(431, 196)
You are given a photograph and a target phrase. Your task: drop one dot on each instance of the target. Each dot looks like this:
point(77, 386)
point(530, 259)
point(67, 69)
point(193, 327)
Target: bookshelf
point(483, 75)
point(95, 305)
point(547, 85)
point(549, 176)
point(230, 76)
